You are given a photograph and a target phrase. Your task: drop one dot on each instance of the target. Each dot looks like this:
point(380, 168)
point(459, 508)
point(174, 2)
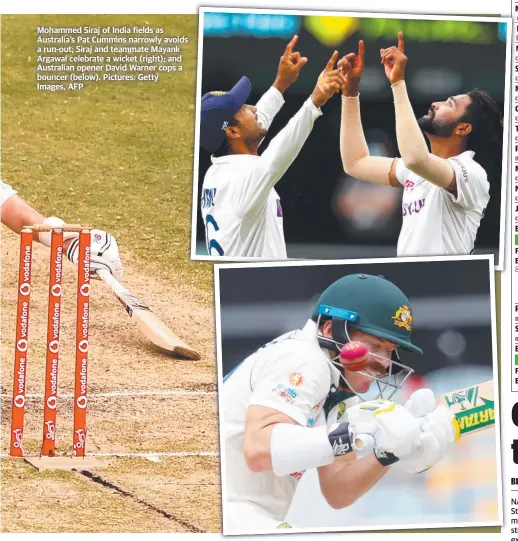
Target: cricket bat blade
point(151, 326)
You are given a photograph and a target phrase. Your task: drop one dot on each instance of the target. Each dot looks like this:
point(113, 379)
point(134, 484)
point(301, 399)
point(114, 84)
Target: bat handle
point(112, 282)
point(364, 442)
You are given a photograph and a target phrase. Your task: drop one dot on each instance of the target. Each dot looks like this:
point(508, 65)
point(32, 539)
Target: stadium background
point(451, 304)
point(326, 213)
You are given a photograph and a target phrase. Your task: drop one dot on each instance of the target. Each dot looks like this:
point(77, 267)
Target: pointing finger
point(291, 44)
point(361, 51)
point(401, 42)
point(331, 63)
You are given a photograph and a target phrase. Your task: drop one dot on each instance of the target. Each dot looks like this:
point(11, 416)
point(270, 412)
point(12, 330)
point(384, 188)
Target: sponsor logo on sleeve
point(318, 405)
point(414, 207)
point(279, 209)
point(463, 170)
point(208, 198)
point(296, 379)
point(286, 393)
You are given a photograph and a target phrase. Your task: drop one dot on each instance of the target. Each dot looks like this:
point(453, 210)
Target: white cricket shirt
point(241, 210)
point(5, 192)
point(293, 375)
point(435, 221)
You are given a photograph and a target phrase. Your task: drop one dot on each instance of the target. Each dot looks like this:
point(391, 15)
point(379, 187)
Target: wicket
point(53, 344)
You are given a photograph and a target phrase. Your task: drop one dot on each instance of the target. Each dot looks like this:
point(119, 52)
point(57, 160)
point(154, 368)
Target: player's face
point(379, 360)
point(444, 116)
point(250, 128)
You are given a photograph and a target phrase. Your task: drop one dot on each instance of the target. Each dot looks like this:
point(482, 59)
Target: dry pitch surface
point(141, 403)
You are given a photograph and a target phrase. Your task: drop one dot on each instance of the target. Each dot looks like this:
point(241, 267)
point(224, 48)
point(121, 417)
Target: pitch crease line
point(178, 454)
point(126, 395)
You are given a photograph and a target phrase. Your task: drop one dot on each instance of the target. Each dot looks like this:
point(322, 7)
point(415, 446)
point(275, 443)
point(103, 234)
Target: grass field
point(118, 157)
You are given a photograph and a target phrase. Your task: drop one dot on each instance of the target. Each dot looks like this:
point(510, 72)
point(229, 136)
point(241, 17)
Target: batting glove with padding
point(104, 253)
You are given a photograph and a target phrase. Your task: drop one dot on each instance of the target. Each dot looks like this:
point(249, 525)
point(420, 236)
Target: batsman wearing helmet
point(296, 403)
point(446, 189)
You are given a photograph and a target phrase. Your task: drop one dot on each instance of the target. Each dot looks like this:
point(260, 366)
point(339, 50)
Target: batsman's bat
point(473, 407)
point(153, 328)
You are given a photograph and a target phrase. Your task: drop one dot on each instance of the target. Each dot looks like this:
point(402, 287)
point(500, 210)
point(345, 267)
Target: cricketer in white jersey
point(277, 406)
point(241, 210)
point(6, 191)
point(446, 190)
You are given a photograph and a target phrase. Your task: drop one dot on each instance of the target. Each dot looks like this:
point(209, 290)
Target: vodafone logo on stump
point(56, 290)
point(19, 401)
point(81, 402)
point(22, 345)
point(52, 402)
point(25, 289)
point(85, 290)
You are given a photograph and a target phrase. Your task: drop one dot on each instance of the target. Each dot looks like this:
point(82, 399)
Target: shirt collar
point(232, 158)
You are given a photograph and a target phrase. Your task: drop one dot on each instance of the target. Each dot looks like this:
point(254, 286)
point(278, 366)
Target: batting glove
point(439, 430)
point(104, 253)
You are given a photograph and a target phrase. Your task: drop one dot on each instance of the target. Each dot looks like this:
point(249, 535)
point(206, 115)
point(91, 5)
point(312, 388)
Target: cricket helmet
point(369, 303)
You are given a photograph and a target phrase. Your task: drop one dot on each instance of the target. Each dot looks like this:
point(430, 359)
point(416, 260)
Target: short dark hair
point(486, 134)
point(224, 149)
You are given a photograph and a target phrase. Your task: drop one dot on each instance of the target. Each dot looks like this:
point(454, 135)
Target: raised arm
point(356, 159)
point(290, 65)
point(285, 147)
point(410, 139)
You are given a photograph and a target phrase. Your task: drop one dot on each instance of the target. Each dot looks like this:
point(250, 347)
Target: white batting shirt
point(435, 221)
point(293, 375)
point(241, 210)
point(6, 192)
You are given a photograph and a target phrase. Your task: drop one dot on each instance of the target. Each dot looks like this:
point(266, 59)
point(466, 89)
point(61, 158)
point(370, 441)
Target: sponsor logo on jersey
point(463, 170)
point(341, 410)
point(279, 209)
point(297, 475)
point(296, 378)
point(403, 317)
point(318, 405)
point(409, 185)
point(311, 421)
point(207, 198)
point(414, 207)
point(286, 393)
point(341, 447)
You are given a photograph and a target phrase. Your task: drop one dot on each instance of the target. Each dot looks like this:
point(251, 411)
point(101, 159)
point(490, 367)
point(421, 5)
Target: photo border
point(367, 15)
point(496, 382)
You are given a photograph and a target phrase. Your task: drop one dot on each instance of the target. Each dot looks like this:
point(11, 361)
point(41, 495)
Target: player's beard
point(432, 126)
point(255, 138)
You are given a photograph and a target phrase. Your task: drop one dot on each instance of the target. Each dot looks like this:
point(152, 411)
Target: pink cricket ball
point(354, 356)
